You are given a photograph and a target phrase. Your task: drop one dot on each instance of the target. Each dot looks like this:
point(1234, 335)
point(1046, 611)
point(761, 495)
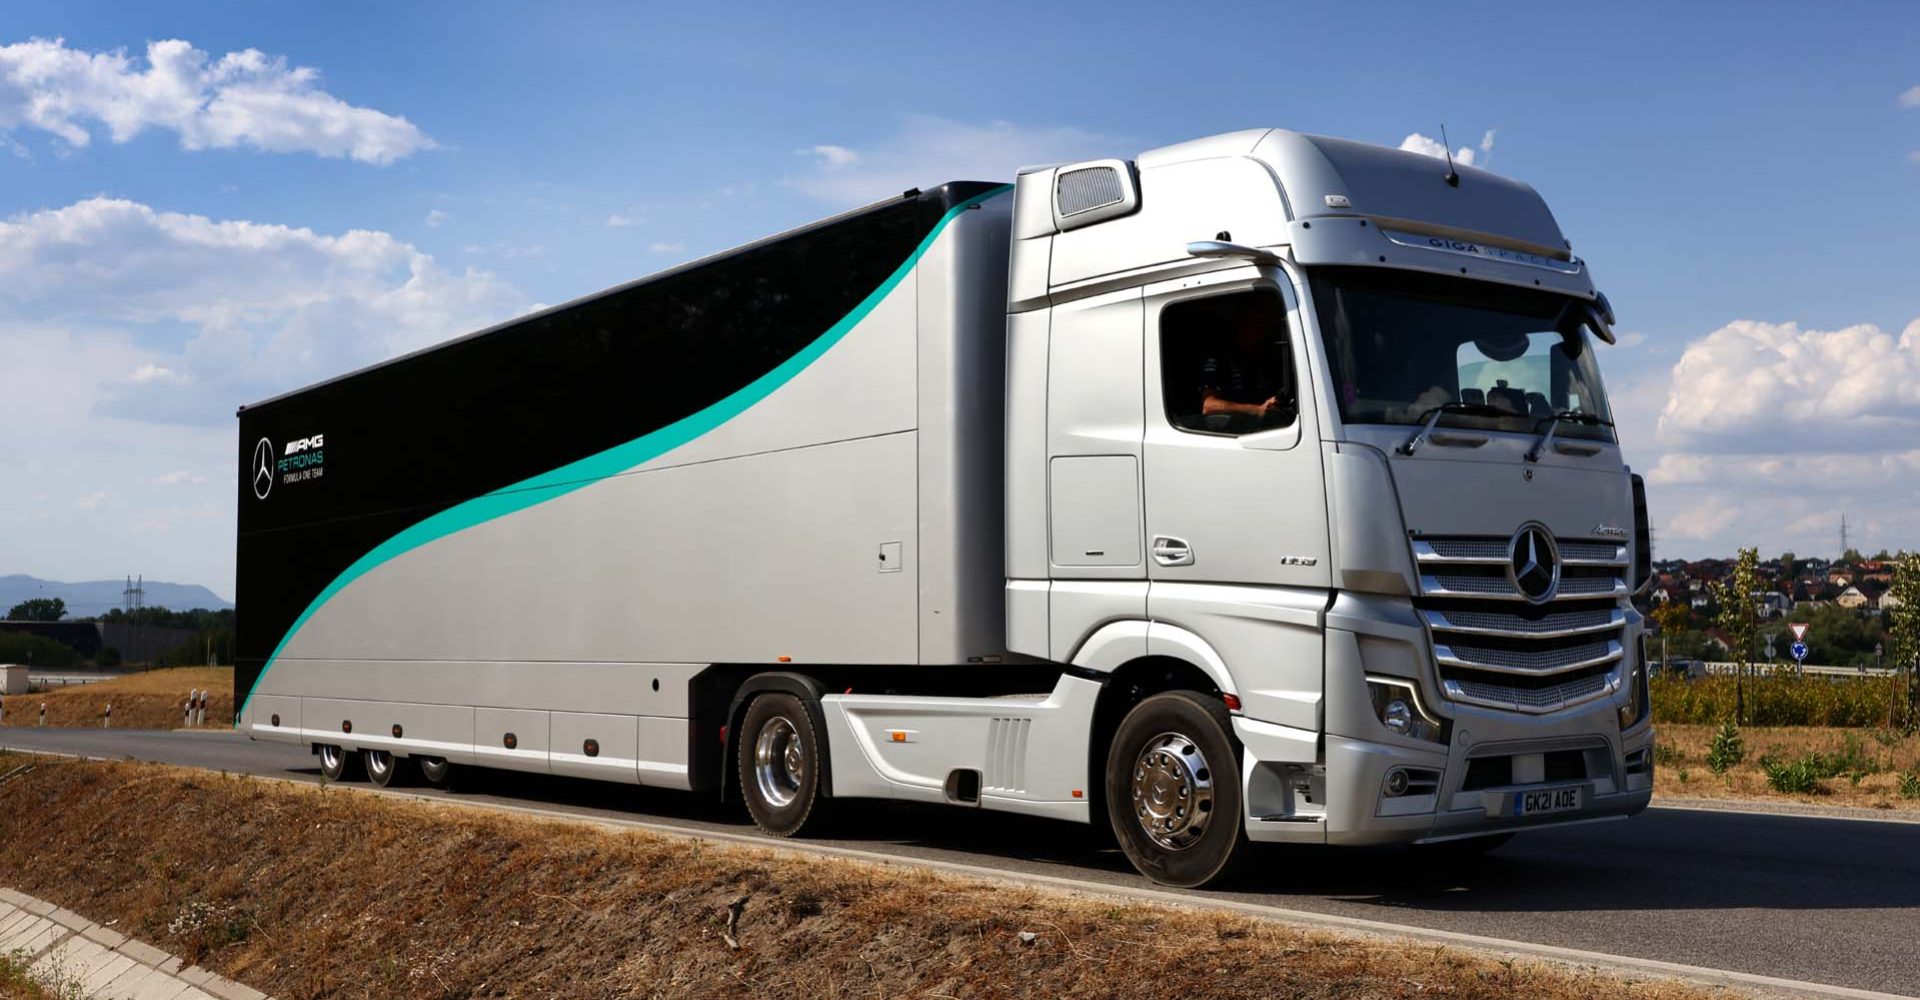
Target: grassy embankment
point(1809, 739)
point(149, 700)
point(307, 892)
point(1870, 768)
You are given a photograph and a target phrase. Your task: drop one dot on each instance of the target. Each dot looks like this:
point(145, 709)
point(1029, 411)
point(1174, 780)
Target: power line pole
point(1843, 536)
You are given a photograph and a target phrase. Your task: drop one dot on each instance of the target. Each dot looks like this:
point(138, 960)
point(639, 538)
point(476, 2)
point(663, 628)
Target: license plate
point(1548, 800)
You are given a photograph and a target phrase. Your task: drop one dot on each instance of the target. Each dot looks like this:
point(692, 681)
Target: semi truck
point(1258, 489)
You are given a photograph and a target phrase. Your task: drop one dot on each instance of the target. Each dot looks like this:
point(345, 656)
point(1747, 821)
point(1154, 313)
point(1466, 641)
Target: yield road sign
point(1799, 630)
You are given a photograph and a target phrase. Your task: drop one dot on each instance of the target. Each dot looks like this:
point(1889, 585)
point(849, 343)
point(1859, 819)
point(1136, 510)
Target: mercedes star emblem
point(262, 468)
point(1533, 563)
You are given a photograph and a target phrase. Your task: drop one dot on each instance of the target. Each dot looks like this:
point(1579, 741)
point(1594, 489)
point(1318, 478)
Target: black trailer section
point(331, 471)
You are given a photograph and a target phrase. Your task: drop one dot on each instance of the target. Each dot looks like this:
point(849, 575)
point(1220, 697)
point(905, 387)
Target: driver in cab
point(1239, 388)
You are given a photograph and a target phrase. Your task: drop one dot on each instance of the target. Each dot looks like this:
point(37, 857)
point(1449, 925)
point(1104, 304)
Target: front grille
point(1496, 648)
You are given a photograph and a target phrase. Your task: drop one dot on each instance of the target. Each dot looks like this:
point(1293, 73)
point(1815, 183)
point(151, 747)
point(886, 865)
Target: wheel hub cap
point(779, 762)
point(1172, 791)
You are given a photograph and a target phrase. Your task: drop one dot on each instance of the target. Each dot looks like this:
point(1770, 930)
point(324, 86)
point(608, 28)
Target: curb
point(77, 957)
point(1762, 807)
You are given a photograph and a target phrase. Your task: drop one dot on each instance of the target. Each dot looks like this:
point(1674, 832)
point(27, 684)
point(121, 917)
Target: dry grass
point(310, 892)
point(149, 700)
point(15, 984)
point(1683, 767)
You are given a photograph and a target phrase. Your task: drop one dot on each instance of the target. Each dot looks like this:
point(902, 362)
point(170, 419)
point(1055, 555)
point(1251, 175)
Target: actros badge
point(263, 468)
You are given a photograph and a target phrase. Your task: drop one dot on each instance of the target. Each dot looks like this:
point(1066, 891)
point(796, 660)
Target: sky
point(201, 206)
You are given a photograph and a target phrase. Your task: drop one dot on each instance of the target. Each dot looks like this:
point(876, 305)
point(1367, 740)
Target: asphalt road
point(1826, 901)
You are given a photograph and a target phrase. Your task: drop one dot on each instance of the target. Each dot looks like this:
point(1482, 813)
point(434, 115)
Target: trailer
point(1260, 488)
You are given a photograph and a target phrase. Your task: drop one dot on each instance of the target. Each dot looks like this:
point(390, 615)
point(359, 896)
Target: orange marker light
point(784, 659)
point(1077, 793)
point(897, 735)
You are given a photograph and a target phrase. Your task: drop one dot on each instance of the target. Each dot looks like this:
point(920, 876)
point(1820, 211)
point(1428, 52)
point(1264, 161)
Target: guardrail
point(1814, 669)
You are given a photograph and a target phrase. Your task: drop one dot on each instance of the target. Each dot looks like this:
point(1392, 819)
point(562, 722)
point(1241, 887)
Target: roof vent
point(1091, 192)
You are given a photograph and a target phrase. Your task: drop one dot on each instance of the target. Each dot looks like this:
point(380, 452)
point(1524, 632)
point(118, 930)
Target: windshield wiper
point(1553, 423)
point(1433, 414)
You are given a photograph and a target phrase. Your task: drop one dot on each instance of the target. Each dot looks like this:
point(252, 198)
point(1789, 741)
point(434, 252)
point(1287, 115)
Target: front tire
point(780, 763)
point(1173, 790)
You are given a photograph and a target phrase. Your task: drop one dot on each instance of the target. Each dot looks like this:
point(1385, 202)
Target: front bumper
point(1462, 788)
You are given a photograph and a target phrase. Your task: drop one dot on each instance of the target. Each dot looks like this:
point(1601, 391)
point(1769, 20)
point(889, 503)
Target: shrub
point(1798, 777)
point(1726, 749)
point(1780, 699)
point(1910, 785)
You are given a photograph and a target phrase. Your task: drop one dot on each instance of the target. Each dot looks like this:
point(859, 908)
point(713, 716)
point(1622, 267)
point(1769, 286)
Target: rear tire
point(383, 768)
point(780, 764)
point(337, 763)
point(1173, 790)
point(435, 771)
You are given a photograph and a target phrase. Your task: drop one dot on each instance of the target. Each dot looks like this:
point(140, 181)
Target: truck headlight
point(1397, 705)
point(1638, 702)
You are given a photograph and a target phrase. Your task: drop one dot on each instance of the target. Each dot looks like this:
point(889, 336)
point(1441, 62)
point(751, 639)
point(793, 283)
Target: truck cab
point(1318, 427)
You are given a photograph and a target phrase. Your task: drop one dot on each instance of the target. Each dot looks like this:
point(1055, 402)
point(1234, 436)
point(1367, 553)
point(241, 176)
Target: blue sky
point(1718, 165)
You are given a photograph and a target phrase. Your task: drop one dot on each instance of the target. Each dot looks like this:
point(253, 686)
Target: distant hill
point(97, 597)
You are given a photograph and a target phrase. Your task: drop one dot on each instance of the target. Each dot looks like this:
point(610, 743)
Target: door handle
point(1170, 551)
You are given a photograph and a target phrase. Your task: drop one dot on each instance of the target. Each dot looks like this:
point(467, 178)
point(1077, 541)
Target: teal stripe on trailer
point(615, 460)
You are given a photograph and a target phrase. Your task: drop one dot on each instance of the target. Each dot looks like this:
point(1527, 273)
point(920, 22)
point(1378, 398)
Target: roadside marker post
point(43, 715)
point(106, 721)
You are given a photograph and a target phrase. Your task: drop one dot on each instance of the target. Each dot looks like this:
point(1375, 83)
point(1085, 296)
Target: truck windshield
point(1401, 343)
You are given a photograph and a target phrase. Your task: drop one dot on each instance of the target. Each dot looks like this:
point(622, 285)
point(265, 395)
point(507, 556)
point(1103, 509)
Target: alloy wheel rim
point(779, 762)
point(1172, 791)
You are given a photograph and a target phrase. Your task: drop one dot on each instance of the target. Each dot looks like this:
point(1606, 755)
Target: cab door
point(1236, 513)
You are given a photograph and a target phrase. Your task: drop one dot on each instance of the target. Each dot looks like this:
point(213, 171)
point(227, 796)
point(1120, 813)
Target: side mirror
point(1600, 317)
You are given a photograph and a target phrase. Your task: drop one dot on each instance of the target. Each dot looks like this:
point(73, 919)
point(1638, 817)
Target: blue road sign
point(1799, 650)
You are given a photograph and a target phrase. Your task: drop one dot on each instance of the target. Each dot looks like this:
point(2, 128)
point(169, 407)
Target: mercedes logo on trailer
point(1533, 563)
point(263, 468)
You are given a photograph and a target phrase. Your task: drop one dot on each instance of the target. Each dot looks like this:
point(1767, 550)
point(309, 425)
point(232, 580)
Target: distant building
point(1851, 598)
point(134, 643)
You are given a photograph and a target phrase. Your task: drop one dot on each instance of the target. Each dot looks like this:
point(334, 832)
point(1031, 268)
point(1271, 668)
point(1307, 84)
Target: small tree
point(1903, 628)
point(38, 609)
point(1727, 748)
point(1736, 595)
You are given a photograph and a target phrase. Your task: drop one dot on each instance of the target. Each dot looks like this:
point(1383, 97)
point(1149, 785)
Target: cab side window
point(1225, 364)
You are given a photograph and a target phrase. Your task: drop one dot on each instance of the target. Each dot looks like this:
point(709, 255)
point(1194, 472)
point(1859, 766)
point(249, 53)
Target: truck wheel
point(383, 768)
point(1173, 789)
point(780, 763)
point(434, 770)
point(336, 763)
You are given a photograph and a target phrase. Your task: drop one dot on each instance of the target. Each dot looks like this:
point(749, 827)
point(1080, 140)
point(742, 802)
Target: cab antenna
point(1453, 176)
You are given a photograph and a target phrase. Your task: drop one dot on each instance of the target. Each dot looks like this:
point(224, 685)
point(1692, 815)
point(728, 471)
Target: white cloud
point(1910, 98)
point(619, 221)
point(926, 150)
point(1752, 385)
point(435, 217)
point(665, 247)
point(137, 332)
point(244, 98)
point(832, 157)
point(1768, 432)
point(1426, 146)
point(266, 307)
point(1634, 339)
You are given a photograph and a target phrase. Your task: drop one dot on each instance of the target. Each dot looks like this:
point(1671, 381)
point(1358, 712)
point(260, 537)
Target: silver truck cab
point(1322, 422)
